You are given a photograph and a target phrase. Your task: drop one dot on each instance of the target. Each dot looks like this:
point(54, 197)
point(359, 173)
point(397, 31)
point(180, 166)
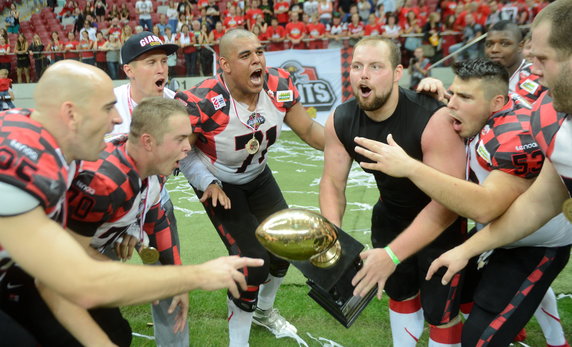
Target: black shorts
point(20, 300)
point(511, 287)
point(440, 303)
point(22, 61)
point(252, 202)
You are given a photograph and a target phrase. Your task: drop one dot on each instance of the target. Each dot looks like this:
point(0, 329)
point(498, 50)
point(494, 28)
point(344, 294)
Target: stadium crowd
point(97, 29)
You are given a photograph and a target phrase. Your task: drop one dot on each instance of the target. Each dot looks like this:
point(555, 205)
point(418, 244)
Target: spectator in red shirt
point(373, 26)
point(423, 12)
point(315, 32)
point(296, 32)
point(70, 47)
point(276, 34)
point(215, 35)
point(114, 27)
point(355, 29)
point(5, 57)
point(233, 20)
point(100, 54)
point(281, 9)
point(253, 13)
point(403, 11)
point(86, 46)
point(449, 8)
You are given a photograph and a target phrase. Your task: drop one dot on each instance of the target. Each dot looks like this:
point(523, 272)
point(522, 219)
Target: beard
point(376, 103)
point(561, 90)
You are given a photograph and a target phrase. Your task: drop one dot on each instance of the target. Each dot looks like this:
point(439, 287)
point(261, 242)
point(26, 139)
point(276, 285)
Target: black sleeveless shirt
point(406, 124)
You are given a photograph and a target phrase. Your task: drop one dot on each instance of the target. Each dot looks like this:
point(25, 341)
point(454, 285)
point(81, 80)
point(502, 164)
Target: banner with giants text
point(317, 74)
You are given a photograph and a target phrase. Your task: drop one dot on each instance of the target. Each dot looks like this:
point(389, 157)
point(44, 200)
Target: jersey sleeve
point(545, 123)
point(90, 203)
point(29, 161)
point(510, 146)
point(158, 229)
point(280, 85)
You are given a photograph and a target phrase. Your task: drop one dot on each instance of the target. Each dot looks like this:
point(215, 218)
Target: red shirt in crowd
point(277, 32)
point(316, 30)
point(5, 58)
point(296, 30)
point(373, 29)
point(233, 22)
point(283, 18)
point(71, 46)
point(5, 84)
point(252, 14)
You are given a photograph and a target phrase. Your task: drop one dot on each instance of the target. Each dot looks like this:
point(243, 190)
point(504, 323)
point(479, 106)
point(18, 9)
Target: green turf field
point(297, 169)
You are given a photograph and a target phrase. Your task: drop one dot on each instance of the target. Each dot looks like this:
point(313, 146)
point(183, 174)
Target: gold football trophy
point(326, 255)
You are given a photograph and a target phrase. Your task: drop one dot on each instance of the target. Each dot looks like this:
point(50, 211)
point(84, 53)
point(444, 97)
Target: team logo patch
point(218, 102)
point(284, 96)
point(483, 153)
point(529, 86)
point(255, 120)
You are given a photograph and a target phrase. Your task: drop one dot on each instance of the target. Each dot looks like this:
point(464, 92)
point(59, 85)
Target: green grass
point(297, 169)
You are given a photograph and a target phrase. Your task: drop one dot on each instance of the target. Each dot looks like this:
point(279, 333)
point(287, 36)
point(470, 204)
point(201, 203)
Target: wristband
point(217, 182)
point(392, 255)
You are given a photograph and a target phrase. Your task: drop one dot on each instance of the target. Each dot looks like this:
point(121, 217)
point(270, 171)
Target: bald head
point(227, 42)
point(68, 80)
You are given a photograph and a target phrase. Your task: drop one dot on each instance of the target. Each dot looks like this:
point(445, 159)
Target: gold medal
point(567, 209)
point(149, 255)
point(252, 146)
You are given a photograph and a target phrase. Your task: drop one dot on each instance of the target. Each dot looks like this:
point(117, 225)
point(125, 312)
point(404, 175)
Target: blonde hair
point(151, 117)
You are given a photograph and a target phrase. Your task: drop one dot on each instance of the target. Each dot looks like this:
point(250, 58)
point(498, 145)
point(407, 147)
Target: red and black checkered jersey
point(528, 85)
point(106, 191)
point(553, 132)
point(545, 123)
point(209, 105)
point(31, 160)
point(506, 143)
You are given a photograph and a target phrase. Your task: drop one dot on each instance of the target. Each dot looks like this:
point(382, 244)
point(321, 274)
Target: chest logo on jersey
point(218, 102)
point(529, 86)
point(284, 96)
point(255, 120)
point(483, 153)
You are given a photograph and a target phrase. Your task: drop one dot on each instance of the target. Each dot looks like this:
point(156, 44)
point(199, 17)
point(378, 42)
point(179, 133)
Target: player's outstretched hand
point(182, 302)
point(217, 196)
point(389, 158)
point(434, 88)
point(377, 267)
point(124, 249)
point(223, 273)
point(454, 260)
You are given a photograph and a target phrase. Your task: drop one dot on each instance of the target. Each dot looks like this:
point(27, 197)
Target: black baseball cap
point(144, 42)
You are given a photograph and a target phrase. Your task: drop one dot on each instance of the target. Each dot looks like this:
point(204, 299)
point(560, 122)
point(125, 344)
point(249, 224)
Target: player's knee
point(278, 267)
point(248, 299)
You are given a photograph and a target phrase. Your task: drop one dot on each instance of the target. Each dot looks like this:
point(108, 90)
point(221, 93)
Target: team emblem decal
point(284, 96)
point(218, 102)
point(255, 120)
point(529, 86)
point(483, 153)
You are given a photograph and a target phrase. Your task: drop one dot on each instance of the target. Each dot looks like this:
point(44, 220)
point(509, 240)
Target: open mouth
point(365, 91)
point(160, 83)
point(456, 123)
point(256, 76)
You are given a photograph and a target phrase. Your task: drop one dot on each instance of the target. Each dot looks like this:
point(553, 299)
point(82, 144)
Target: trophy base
point(344, 311)
point(331, 287)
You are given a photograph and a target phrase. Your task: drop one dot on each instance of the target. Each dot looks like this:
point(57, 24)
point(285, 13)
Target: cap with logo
point(144, 42)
